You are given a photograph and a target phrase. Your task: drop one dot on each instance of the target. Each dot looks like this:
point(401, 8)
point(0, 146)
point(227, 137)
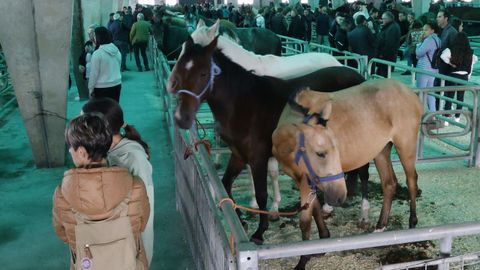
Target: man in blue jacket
point(120, 33)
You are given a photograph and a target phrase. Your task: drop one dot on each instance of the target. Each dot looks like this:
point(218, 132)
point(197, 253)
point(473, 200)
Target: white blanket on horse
point(276, 66)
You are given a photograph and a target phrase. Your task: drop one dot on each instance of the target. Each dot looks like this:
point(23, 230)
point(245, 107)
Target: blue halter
point(313, 178)
point(214, 71)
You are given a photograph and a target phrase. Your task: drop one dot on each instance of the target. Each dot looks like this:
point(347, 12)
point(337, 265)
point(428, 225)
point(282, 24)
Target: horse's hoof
point(364, 225)
point(274, 217)
point(299, 268)
point(257, 241)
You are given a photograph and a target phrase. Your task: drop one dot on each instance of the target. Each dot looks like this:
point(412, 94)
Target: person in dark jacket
point(341, 40)
point(279, 23)
point(339, 18)
point(308, 19)
point(388, 42)
point(447, 35)
point(361, 40)
point(323, 23)
point(120, 33)
point(297, 26)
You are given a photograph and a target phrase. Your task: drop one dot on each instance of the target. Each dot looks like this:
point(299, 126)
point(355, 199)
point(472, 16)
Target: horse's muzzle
point(183, 120)
point(335, 195)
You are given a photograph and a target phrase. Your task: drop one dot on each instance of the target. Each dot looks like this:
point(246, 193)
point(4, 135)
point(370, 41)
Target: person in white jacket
point(105, 75)
point(128, 151)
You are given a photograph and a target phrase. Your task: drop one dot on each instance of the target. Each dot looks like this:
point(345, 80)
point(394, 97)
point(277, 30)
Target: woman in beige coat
point(95, 190)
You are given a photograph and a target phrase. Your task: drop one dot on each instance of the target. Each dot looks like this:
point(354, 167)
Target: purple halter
point(214, 71)
point(313, 178)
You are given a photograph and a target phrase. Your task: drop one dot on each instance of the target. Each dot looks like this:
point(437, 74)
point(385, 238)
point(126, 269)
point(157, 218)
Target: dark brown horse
point(246, 107)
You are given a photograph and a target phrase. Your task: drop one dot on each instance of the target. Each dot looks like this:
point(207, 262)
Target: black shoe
point(147, 69)
point(140, 69)
point(126, 69)
point(406, 73)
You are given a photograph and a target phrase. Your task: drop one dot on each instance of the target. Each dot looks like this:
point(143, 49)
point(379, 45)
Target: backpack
point(435, 61)
point(106, 244)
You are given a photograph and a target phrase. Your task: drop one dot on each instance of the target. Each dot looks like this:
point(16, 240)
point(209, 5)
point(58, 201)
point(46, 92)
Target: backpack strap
point(121, 210)
point(436, 48)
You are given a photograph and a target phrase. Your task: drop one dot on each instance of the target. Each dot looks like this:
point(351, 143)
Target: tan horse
point(364, 122)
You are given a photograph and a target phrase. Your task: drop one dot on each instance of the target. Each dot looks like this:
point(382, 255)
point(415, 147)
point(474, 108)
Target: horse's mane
point(237, 73)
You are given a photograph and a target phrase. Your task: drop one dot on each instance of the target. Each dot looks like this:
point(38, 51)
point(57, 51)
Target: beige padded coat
point(95, 193)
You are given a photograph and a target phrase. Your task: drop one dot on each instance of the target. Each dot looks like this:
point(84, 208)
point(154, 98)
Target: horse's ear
point(327, 110)
point(200, 23)
point(213, 31)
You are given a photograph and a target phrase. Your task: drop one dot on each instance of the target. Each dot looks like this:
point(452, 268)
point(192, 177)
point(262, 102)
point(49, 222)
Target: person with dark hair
point(457, 23)
point(139, 36)
point(339, 18)
point(110, 19)
point(447, 35)
point(388, 42)
point(323, 25)
point(307, 17)
point(129, 151)
point(93, 191)
point(341, 40)
point(279, 23)
point(105, 76)
point(361, 40)
point(120, 32)
point(413, 38)
point(461, 59)
point(429, 42)
point(297, 28)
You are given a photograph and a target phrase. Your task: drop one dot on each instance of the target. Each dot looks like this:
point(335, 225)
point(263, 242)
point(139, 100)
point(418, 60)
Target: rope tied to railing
point(207, 143)
point(236, 206)
point(257, 211)
point(189, 150)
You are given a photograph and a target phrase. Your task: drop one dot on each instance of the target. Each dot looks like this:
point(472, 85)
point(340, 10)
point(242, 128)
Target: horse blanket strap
point(214, 71)
point(313, 178)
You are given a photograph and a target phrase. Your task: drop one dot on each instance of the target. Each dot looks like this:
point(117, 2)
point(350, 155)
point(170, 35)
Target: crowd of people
point(105, 53)
point(113, 175)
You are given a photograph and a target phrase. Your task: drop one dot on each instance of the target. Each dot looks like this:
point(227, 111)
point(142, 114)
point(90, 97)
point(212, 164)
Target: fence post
point(247, 258)
point(445, 250)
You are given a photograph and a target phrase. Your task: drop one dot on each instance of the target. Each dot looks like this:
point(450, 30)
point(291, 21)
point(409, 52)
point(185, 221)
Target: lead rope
point(312, 194)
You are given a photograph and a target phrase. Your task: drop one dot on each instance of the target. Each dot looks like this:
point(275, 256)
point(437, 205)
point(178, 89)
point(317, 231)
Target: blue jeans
point(424, 81)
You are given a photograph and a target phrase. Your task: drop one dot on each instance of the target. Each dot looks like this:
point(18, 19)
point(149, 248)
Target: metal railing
point(292, 46)
point(469, 111)
point(217, 238)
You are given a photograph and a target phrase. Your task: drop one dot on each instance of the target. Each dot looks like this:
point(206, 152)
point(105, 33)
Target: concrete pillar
point(420, 7)
point(36, 42)
point(337, 3)
point(77, 48)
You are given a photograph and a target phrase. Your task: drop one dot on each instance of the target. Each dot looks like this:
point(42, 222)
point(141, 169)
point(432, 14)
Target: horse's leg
point(407, 154)
point(277, 197)
point(253, 200)
point(351, 181)
point(306, 219)
point(259, 172)
point(234, 167)
point(389, 184)
point(364, 175)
